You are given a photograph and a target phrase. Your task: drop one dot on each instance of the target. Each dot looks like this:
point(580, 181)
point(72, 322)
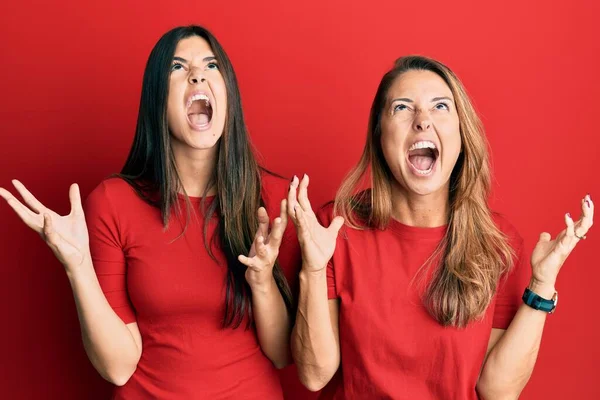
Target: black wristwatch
point(537, 302)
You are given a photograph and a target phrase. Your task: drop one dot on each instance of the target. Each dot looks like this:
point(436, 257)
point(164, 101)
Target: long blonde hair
point(474, 253)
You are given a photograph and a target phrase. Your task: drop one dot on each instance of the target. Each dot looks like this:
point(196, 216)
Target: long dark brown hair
point(474, 252)
point(150, 170)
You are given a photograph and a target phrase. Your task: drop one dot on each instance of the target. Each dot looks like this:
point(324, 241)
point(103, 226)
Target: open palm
point(317, 242)
point(549, 254)
point(66, 235)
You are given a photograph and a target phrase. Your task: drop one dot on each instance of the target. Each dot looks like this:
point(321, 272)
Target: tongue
point(422, 163)
point(199, 119)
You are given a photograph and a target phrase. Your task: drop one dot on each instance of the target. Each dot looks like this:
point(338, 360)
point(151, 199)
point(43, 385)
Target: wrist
point(309, 274)
point(310, 268)
point(82, 270)
point(543, 289)
point(263, 288)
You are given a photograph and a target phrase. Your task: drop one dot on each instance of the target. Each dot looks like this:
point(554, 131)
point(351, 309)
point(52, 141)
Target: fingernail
point(569, 215)
point(588, 203)
point(304, 177)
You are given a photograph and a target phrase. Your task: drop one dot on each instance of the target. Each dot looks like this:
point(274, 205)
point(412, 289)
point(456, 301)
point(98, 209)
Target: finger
point(261, 248)
point(587, 218)
point(292, 200)
point(248, 262)
point(545, 237)
point(30, 219)
point(28, 197)
point(301, 223)
point(276, 233)
point(52, 238)
point(303, 194)
point(567, 238)
point(263, 222)
point(336, 225)
point(283, 213)
point(75, 198)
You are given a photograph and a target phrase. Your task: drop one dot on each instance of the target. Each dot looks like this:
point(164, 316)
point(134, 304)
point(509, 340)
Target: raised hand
point(549, 255)
point(316, 241)
point(67, 235)
point(265, 248)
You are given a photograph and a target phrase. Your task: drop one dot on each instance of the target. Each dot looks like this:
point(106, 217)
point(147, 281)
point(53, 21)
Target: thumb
point(75, 197)
point(52, 238)
point(544, 237)
point(336, 225)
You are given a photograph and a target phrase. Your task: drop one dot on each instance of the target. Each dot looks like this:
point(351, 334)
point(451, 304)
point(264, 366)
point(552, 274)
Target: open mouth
point(199, 110)
point(422, 156)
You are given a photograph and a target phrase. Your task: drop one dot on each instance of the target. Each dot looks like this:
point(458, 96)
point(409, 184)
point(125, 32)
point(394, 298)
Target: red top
point(171, 287)
point(391, 348)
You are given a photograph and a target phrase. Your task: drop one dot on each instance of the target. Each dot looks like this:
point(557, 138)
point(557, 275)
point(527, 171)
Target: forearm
point(108, 342)
point(272, 323)
point(314, 346)
point(510, 363)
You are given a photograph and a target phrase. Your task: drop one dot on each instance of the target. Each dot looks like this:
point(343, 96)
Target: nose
point(422, 122)
point(196, 77)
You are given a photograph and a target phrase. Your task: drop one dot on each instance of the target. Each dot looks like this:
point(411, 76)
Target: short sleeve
point(107, 251)
point(324, 216)
point(511, 287)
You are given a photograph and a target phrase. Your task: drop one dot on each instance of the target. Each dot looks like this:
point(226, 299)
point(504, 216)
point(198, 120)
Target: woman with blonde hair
point(419, 297)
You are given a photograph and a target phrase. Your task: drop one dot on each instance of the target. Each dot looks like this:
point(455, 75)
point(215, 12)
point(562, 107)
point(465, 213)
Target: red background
point(70, 87)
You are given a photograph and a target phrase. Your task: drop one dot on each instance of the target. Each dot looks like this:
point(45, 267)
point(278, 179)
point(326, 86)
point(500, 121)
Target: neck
point(426, 211)
point(195, 168)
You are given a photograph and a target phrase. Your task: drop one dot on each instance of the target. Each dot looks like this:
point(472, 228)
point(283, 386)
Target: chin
point(205, 143)
point(422, 188)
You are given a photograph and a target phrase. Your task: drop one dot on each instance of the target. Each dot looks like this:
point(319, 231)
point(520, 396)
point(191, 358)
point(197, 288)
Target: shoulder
point(274, 185)
point(508, 229)
point(110, 192)
point(274, 188)
point(325, 212)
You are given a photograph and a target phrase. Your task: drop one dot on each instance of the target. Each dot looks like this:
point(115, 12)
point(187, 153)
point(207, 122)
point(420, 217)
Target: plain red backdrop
point(70, 86)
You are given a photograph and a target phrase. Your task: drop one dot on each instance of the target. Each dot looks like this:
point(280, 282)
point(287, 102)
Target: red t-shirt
point(172, 288)
point(391, 348)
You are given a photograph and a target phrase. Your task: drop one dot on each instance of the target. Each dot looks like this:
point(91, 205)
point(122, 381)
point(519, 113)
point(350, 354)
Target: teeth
point(198, 97)
point(426, 171)
point(423, 144)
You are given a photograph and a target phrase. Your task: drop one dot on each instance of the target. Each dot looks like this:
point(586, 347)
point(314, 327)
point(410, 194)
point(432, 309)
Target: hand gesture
point(67, 235)
point(265, 248)
point(549, 255)
point(316, 241)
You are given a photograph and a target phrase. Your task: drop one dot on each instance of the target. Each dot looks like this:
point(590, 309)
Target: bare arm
point(315, 338)
point(272, 324)
point(511, 359)
point(269, 310)
point(113, 347)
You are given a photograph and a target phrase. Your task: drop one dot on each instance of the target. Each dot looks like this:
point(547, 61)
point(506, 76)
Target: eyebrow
point(407, 100)
point(205, 59)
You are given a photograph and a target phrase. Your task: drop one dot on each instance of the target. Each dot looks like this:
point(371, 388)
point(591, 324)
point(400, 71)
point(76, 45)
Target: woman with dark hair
point(424, 281)
point(177, 287)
